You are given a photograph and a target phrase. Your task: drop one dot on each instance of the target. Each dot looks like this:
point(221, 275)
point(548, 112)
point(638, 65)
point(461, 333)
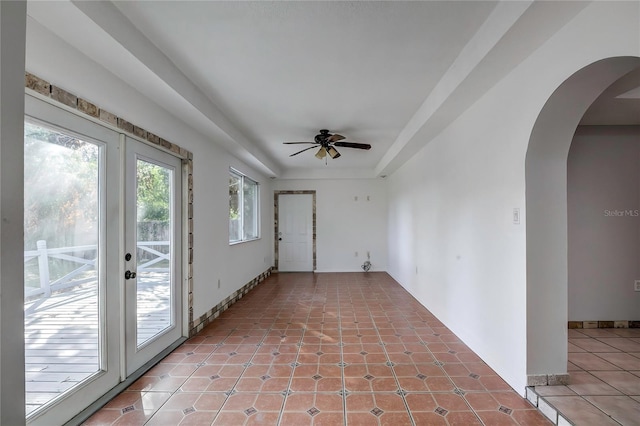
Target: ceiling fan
point(328, 143)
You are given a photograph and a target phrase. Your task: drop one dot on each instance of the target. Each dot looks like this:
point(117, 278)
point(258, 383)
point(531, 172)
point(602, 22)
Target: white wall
point(54, 60)
point(345, 225)
point(214, 259)
point(453, 245)
point(603, 195)
point(452, 242)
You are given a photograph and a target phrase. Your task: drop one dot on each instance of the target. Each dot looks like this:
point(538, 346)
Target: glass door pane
point(153, 273)
point(154, 199)
point(62, 214)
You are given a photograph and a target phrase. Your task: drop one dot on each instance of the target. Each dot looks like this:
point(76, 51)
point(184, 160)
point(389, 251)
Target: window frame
point(241, 207)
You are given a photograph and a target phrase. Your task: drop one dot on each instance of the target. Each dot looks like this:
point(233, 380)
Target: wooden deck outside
point(61, 335)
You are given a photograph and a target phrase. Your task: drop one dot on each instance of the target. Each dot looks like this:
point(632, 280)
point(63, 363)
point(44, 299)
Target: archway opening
point(546, 212)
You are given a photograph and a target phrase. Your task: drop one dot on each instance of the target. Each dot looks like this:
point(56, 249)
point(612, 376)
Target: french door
point(103, 259)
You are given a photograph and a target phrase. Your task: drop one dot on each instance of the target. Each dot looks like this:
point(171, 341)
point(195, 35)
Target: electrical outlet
point(218, 283)
point(637, 285)
point(356, 254)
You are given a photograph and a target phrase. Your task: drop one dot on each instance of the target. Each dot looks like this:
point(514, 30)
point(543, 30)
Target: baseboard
point(603, 324)
point(215, 312)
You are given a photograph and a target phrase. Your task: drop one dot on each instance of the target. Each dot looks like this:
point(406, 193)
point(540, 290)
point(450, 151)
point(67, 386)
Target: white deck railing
point(70, 254)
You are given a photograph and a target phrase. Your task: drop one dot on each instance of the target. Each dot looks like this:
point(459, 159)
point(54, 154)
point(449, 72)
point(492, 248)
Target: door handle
point(280, 239)
point(128, 275)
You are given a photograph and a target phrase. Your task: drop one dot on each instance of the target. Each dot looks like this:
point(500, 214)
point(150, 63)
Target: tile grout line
point(441, 364)
point(593, 375)
point(201, 364)
point(590, 373)
point(342, 363)
point(178, 389)
point(348, 299)
point(232, 391)
point(564, 416)
point(391, 364)
point(294, 365)
point(246, 365)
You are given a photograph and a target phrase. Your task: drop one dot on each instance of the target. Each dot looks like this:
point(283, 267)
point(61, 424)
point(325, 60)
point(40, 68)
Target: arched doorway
point(546, 211)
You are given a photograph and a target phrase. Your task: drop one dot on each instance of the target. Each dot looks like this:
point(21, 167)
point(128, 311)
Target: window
point(243, 208)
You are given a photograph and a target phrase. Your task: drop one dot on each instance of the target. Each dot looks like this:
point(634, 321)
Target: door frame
point(276, 201)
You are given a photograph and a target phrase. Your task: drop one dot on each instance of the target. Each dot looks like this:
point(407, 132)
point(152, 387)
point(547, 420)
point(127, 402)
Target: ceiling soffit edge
point(114, 23)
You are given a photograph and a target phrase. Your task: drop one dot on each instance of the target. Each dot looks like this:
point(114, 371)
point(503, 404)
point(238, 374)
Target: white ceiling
point(251, 75)
point(282, 71)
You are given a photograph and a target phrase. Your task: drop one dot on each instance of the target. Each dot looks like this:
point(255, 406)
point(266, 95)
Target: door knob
point(129, 275)
point(280, 239)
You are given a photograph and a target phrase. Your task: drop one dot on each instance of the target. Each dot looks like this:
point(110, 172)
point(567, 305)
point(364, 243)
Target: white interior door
point(153, 258)
point(295, 232)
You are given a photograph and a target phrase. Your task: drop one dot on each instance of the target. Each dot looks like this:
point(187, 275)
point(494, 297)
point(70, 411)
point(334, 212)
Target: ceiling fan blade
point(306, 149)
point(335, 138)
point(353, 145)
point(293, 143)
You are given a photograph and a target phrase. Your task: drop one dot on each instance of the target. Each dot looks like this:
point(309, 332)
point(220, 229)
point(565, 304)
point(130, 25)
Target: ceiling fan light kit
point(333, 153)
point(321, 153)
point(327, 143)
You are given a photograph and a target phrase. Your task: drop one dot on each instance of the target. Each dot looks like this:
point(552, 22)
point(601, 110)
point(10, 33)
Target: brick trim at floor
point(603, 324)
point(215, 312)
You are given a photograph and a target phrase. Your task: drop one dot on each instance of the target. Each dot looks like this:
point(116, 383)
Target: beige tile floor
point(604, 365)
point(322, 349)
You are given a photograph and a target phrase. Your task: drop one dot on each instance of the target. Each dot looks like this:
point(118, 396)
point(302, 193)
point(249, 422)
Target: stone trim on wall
point(603, 324)
point(547, 379)
point(85, 107)
point(215, 312)
point(275, 223)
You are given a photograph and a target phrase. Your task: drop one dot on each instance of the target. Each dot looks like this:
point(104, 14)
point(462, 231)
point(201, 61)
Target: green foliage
point(154, 193)
point(234, 198)
point(62, 200)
